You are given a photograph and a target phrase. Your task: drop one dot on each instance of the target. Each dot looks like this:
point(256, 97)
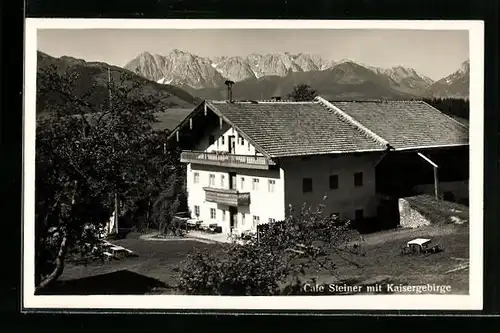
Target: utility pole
point(117, 203)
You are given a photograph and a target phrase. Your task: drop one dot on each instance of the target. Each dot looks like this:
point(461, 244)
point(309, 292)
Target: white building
point(248, 162)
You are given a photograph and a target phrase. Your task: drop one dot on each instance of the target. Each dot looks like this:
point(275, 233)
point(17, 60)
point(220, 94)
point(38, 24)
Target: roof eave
point(337, 152)
point(242, 133)
point(214, 109)
point(185, 121)
point(418, 148)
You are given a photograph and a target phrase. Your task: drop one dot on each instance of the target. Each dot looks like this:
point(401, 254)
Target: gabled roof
point(284, 128)
point(407, 124)
point(296, 128)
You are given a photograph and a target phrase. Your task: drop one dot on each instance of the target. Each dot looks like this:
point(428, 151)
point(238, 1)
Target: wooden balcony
point(227, 197)
point(227, 160)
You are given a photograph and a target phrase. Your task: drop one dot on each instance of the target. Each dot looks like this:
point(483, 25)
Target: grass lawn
point(384, 261)
point(155, 268)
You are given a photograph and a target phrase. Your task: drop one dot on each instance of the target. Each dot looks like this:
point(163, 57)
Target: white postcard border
point(473, 301)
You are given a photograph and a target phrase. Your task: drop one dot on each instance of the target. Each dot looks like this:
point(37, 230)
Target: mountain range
point(261, 76)
point(92, 78)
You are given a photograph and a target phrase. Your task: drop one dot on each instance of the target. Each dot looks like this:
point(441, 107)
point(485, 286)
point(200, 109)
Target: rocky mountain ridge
point(202, 75)
point(183, 68)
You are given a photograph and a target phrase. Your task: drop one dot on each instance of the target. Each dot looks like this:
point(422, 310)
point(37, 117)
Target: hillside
point(91, 79)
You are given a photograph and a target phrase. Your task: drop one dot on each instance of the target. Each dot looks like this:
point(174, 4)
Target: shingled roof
point(296, 128)
point(407, 124)
point(279, 129)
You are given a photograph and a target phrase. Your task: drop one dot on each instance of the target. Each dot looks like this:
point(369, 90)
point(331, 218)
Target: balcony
point(227, 197)
point(227, 160)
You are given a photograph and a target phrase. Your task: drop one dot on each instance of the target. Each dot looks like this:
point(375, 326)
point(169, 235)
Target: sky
point(434, 53)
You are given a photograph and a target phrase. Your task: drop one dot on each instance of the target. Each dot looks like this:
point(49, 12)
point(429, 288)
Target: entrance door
point(233, 218)
point(232, 144)
point(232, 180)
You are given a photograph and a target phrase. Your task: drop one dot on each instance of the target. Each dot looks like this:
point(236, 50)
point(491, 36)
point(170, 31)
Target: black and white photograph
point(246, 164)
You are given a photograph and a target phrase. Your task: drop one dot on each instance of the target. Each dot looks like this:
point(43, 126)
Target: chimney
point(229, 85)
point(276, 98)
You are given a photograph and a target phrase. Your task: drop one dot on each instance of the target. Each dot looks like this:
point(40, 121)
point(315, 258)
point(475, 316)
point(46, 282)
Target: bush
point(272, 263)
point(235, 270)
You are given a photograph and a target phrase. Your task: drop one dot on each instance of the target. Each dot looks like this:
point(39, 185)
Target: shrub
point(272, 262)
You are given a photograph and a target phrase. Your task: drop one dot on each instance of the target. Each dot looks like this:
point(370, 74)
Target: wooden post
point(435, 166)
point(190, 123)
point(436, 191)
point(177, 136)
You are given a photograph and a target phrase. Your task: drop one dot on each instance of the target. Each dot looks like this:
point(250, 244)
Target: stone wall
point(409, 217)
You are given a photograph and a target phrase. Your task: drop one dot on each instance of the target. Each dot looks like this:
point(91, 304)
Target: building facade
point(249, 163)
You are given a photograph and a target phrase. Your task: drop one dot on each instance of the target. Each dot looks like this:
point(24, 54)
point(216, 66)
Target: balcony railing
point(227, 197)
point(224, 159)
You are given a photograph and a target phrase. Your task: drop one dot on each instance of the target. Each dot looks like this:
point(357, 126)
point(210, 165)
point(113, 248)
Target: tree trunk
point(117, 212)
point(148, 214)
point(61, 255)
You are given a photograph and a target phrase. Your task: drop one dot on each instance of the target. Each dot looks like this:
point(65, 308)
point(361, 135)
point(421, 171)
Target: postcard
point(253, 165)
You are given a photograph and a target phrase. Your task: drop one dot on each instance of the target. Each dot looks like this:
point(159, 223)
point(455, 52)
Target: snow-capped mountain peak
point(182, 68)
point(454, 85)
point(178, 67)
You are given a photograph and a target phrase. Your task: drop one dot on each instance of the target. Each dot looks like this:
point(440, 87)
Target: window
point(334, 182)
point(358, 214)
point(271, 220)
point(249, 146)
point(212, 214)
point(307, 185)
point(211, 179)
point(223, 215)
point(197, 210)
point(271, 184)
point(222, 181)
point(196, 177)
point(358, 179)
point(256, 221)
point(211, 140)
point(222, 139)
point(242, 141)
point(242, 183)
point(255, 184)
point(242, 219)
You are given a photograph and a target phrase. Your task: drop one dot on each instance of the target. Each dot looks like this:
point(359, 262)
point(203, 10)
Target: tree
point(455, 107)
point(272, 262)
point(302, 93)
point(161, 192)
point(82, 160)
